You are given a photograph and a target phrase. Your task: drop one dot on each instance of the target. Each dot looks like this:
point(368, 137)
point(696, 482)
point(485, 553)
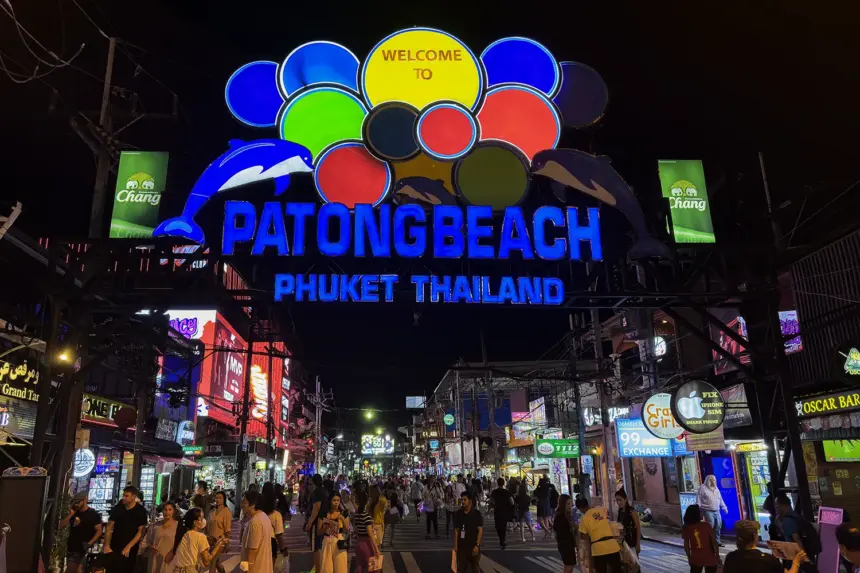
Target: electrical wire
point(20, 28)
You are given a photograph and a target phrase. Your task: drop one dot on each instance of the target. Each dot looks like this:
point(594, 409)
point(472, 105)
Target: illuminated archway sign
point(413, 151)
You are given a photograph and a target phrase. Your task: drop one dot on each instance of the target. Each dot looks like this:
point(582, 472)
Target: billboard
point(415, 402)
point(789, 325)
point(735, 322)
point(260, 398)
point(635, 441)
point(141, 179)
point(682, 181)
point(376, 445)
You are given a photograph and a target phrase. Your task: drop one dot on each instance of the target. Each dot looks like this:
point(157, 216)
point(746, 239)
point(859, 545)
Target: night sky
point(685, 82)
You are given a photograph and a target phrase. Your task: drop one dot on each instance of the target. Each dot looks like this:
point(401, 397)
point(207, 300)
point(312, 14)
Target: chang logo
point(139, 188)
point(686, 196)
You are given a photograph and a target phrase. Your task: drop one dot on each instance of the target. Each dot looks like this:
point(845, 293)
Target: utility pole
point(609, 484)
point(491, 406)
point(104, 159)
point(317, 429)
point(142, 402)
point(270, 423)
point(242, 449)
point(577, 398)
point(461, 423)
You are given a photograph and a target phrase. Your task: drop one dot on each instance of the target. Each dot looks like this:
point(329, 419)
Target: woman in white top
point(191, 548)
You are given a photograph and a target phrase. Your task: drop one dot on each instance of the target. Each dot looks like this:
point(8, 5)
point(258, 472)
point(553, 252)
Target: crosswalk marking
point(548, 563)
point(411, 565)
point(388, 563)
point(489, 565)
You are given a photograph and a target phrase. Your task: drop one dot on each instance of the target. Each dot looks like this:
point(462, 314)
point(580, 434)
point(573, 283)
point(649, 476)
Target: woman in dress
point(629, 518)
point(159, 539)
point(565, 532)
point(334, 527)
point(190, 545)
point(362, 521)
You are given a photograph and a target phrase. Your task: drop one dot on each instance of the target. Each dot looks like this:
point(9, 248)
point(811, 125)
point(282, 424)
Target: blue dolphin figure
point(594, 176)
point(243, 163)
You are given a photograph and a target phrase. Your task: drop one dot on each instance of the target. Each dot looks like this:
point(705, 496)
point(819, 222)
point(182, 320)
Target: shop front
point(18, 405)
point(830, 438)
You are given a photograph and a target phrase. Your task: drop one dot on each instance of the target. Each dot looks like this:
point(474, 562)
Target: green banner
point(683, 183)
point(565, 448)
point(141, 179)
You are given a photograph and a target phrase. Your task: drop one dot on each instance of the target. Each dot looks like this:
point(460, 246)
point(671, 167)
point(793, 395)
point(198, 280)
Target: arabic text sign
point(635, 441)
point(19, 381)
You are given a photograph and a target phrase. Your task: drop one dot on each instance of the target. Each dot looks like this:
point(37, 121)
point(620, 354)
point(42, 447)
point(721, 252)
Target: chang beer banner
point(140, 181)
point(683, 183)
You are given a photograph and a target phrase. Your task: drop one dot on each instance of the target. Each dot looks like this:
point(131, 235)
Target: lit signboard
point(192, 450)
point(635, 441)
point(98, 410)
point(415, 402)
point(683, 183)
point(141, 179)
point(376, 445)
point(789, 325)
point(260, 396)
point(19, 380)
point(421, 122)
point(829, 404)
point(557, 448)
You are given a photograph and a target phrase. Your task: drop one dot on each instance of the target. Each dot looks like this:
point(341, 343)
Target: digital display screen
point(842, 450)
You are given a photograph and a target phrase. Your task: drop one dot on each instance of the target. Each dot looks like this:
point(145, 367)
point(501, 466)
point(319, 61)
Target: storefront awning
point(150, 459)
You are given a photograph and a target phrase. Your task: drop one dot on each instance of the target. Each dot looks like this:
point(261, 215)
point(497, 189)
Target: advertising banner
point(222, 372)
point(635, 441)
point(141, 179)
point(658, 419)
point(682, 181)
point(698, 407)
point(260, 397)
point(710, 441)
point(560, 448)
point(376, 445)
point(737, 408)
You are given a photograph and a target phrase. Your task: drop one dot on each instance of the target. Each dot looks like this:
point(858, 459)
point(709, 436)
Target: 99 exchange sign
point(698, 407)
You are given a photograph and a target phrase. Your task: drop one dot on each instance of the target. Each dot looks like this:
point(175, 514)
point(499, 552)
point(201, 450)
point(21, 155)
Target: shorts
point(76, 558)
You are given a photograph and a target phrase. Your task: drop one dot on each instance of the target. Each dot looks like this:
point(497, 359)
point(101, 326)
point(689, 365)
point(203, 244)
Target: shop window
point(670, 480)
point(688, 474)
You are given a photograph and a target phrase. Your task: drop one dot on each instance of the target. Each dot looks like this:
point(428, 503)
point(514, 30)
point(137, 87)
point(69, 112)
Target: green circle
point(448, 419)
point(494, 174)
point(322, 116)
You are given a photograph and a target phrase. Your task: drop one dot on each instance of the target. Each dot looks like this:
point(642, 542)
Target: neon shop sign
point(408, 231)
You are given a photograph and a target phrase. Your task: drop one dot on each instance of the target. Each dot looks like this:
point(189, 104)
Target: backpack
point(809, 536)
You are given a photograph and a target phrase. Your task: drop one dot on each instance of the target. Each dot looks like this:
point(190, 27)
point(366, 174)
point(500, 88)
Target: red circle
point(350, 175)
point(445, 131)
point(521, 117)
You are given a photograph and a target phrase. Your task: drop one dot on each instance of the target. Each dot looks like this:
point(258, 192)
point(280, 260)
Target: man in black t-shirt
point(86, 528)
point(124, 530)
point(503, 504)
point(468, 533)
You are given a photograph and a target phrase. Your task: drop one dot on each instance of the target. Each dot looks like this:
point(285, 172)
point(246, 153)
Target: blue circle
point(318, 63)
point(521, 61)
point(583, 95)
point(252, 94)
point(455, 107)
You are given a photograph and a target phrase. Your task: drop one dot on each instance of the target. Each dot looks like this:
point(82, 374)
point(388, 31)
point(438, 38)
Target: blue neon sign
point(408, 231)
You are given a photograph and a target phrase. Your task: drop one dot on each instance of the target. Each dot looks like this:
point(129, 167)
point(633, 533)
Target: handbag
point(375, 563)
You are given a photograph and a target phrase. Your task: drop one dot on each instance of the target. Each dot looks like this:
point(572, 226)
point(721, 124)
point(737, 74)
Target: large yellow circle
point(421, 66)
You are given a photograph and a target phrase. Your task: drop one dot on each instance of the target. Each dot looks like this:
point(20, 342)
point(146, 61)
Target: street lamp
point(339, 437)
point(379, 431)
point(368, 414)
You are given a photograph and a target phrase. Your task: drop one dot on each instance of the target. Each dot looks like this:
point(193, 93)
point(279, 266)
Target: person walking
point(523, 503)
point(468, 534)
point(85, 528)
point(317, 507)
point(190, 545)
point(700, 542)
point(451, 508)
point(544, 511)
point(416, 490)
point(378, 509)
point(160, 538)
point(748, 559)
point(124, 531)
point(503, 512)
point(628, 517)
point(433, 501)
point(334, 527)
point(594, 525)
point(257, 536)
point(368, 545)
point(220, 524)
point(565, 532)
point(710, 500)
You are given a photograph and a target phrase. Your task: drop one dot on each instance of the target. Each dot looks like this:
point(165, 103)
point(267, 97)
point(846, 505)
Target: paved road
point(411, 553)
